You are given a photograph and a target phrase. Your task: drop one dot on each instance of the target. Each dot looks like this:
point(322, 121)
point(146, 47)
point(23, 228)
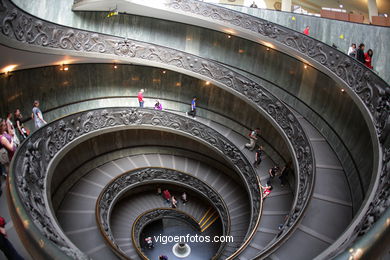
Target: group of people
point(170, 199)
point(360, 55)
point(259, 154)
point(158, 105)
point(13, 132)
point(357, 53)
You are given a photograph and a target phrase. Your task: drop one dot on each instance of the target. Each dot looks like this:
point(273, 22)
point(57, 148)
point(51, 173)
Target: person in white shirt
point(352, 50)
point(252, 139)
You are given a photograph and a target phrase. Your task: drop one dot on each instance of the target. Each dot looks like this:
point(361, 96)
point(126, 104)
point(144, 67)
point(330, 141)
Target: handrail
point(143, 176)
point(200, 107)
point(253, 232)
point(43, 35)
point(370, 92)
point(33, 158)
point(364, 85)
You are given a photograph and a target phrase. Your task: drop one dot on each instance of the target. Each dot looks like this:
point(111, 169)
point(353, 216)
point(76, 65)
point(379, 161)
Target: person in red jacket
point(166, 195)
point(306, 31)
point(141, 98)
point(368, 58)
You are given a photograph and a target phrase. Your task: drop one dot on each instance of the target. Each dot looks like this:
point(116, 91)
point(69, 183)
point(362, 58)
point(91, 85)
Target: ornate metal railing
point(153, 215)
point(20, 28)
point(125, 182)
point(29, 180)
point(371, 90)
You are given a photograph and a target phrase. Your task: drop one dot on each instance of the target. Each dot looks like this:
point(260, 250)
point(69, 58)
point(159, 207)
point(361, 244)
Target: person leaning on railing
point(7, 145)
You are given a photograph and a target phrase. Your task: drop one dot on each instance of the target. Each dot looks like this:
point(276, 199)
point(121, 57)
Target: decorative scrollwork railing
point(372, 91)
point(364, 84)
point(32, 160)
point(25, 29)
point(125, 182)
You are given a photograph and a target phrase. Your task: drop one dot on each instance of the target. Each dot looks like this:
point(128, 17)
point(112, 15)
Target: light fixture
point(268, 49)
point(178, 84)
point(164, 71)
point(64, 67)
point(342, 90)
point(341, 6)
point(115, 66)
point(8, 68)
point(229, 36)
point(385, 15)
point(207, 83)
point(241, 51)
point(305, 66)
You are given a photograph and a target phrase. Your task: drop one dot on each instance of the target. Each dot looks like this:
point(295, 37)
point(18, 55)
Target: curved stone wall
point(329, 31)
point(89, 86)
point(325, 30)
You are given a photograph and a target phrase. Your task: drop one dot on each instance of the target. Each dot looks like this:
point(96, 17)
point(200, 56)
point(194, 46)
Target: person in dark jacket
point(5, 245)
point(258, 154)
point(360, 53)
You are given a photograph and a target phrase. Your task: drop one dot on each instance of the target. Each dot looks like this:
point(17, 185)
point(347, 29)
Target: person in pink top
point(141, 98)
point(306, 31)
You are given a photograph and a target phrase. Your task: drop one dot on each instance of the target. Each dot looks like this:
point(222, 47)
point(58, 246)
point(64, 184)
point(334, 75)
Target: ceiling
point(14, 59)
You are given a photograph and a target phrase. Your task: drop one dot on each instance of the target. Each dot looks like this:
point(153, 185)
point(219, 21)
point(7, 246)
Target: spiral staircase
point(79, 185)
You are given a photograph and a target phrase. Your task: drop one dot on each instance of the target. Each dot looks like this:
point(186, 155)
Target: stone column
point(372, 9)
point(286, 5)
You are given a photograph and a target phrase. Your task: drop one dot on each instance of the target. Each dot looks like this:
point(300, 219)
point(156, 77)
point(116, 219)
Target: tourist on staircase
point(259, 153)
point(37, 116)
point(167, 196)
point(174, 202)
point(184, 198)
point(253, 135)
point(141, 98)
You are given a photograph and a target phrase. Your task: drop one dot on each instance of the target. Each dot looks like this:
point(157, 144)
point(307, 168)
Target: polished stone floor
point(173, 227)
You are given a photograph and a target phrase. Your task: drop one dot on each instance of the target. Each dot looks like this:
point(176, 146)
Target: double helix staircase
point(329, 211)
